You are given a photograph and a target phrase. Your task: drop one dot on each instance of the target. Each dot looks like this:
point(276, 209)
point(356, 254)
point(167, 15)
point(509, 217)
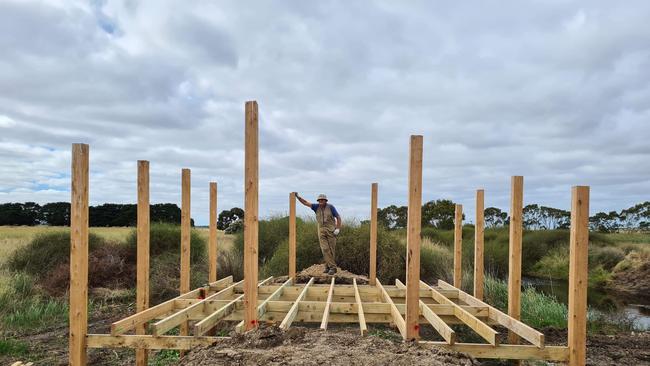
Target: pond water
point(599, 299)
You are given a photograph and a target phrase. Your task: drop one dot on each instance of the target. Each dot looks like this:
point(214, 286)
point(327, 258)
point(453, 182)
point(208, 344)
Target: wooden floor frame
point(198, 312)
point(287, 304)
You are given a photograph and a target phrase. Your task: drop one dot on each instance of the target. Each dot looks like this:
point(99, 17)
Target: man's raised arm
point(302, 200)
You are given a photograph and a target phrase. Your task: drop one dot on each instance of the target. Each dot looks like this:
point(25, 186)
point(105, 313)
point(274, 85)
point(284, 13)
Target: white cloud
point(557, 92)
point(6, 122)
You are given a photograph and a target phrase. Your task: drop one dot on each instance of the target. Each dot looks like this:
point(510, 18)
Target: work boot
point(332, 271)
point(327, 269)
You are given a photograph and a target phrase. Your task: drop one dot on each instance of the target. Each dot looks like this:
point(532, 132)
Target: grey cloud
point(557, 92)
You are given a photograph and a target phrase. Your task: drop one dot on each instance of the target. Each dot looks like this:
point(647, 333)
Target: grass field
point(13, 237)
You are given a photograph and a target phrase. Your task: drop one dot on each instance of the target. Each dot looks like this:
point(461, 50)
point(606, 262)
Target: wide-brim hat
point(321, 197)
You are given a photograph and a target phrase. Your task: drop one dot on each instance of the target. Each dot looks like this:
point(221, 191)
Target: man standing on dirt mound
point(329, 225)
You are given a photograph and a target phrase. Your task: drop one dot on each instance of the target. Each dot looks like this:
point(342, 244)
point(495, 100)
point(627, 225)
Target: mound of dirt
point(633, 281)
point(341, 277)
point(303, 346)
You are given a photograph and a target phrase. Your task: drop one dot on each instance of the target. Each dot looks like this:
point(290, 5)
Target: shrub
point(166, 238)
point(111, 265)
point(537, 244)
point(165, 248)
point(352, 252)
point(45, 252)
point(607, 257)
point(230, 263)
point(272, 233)
point(436, 262)
point(553, 265)
point(438, 236)
point(598, 276)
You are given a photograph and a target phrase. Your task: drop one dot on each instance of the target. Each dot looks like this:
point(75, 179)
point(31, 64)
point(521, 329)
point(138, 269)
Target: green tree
point(605, 222)
point(439, 214)
point(56, 213)
point(494, 217)
point(392, 217)
point(227, 217)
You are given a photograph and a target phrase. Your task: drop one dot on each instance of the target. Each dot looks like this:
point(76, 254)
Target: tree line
point(108, 214)
point(440, 214)
point(435, 213)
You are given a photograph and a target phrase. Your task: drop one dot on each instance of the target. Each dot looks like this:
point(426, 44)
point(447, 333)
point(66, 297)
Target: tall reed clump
point(537, 309)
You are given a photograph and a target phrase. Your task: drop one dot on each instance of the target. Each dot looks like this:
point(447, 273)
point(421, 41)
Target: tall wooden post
point(185, 240)
point(292, 235)
point(578, 272)
point(212, 242)
point(142, 281)
point(79, 255)
point(373, 234)
point(458, 246)
point(514, 261)
point(413, 240)
point(478, 244)
point(251, 177)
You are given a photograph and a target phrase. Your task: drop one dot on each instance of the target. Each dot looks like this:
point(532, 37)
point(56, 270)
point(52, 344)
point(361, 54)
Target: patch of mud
point(304, 346)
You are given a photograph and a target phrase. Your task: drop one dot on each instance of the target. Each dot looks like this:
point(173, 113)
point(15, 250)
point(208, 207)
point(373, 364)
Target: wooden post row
point(458, 246)
point(212, 242)
point(185, 240)
point(578, 272)
point(478, 244)
point(373, 234)
point(142, 270)
point(292, 235)
point(413, 239)
point(79, 255)
point(514, 261)
point(250, 219)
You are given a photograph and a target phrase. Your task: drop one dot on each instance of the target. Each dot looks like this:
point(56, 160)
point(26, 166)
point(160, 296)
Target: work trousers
point(328, 246)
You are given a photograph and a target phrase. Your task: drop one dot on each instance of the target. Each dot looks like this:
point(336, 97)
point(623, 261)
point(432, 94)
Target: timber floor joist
point(288, 304)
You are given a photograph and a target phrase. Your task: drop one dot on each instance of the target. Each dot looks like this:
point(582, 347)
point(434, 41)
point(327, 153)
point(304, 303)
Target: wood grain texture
point(458, 245)
point(292, 235)
point(413, 239)
point(79, 254)
point(479, 234)
point(578, 275)
point(373, 234)
point(142, 266)
point(251, 207)
point(514, 260)
point(212, 237)
point(185, 238)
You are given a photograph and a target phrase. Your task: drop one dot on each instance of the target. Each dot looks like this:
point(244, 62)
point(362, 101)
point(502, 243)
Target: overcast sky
point(557, 91)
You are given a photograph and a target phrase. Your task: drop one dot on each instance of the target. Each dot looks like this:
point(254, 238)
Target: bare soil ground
point(304, 346)
point(620, 349)
point(343, 346)
point(307, 346)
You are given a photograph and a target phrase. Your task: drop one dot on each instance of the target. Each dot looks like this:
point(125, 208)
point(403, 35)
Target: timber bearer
point(329, 226)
